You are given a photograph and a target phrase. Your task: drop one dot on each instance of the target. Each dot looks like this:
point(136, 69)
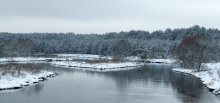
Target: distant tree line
point(157, 44)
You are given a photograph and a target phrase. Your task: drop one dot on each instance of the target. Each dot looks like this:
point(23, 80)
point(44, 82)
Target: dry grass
point(16, 69)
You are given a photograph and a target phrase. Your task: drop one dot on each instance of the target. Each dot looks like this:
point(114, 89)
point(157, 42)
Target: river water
point(148, 84)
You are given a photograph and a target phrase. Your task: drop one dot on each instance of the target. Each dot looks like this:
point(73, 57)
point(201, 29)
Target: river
point(148, 84)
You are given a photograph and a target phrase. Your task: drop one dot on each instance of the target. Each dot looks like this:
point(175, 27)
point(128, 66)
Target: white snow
point(83, 56)
point(21, 59)
point(132, 62)
point(210, 77)
point(166, 61)
point(11, 82)
point(97, 57)
point(97, 66)
point(30, 59)
point(133, 58)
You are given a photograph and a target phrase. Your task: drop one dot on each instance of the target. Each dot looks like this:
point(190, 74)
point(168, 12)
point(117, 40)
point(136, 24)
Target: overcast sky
point(100, 16)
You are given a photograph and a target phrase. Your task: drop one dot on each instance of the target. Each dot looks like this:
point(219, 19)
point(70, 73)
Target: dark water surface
point(149, 84)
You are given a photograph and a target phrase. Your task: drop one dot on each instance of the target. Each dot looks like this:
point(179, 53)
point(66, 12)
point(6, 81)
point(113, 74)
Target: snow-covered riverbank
point(16, 81)
point(210, 78)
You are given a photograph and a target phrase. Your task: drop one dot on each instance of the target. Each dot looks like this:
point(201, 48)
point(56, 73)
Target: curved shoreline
point(207, 83)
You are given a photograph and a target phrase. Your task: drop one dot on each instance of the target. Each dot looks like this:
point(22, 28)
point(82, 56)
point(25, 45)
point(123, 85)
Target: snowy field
point(16, 81)
point(210, 78)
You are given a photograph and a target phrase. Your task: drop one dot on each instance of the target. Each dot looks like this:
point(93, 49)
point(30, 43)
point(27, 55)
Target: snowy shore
point(210, 78)
point(17, 81)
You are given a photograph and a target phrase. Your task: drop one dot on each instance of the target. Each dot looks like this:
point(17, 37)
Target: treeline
point(157, 44)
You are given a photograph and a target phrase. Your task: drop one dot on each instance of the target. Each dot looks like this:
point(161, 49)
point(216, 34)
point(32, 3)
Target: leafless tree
point(195, 50)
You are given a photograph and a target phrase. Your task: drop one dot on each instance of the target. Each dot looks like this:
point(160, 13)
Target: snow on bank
point(30, 59)
point(165, 61)
point(98, 66)
point(83, 56)
point(210, 78)
point(21, 59)
point(8, 81)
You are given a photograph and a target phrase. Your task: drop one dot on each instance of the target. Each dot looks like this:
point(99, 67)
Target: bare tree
point(195, 50)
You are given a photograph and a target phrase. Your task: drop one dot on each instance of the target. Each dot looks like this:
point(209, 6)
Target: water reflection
point(187, 89)
point(148, 84)
point(33, 90)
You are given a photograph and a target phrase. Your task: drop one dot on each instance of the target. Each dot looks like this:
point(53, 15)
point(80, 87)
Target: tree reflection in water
point(146, 83)
point(161, 75)
point(33, 90)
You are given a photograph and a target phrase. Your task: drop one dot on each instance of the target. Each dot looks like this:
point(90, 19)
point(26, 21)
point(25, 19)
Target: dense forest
point(157, 44)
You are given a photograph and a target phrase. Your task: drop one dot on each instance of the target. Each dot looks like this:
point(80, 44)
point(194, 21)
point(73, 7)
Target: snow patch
point(83, 56)
point(166, 61)
point(15, 82)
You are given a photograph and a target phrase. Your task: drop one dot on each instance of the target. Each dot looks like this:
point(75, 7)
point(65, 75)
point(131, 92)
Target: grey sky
point(100, 16)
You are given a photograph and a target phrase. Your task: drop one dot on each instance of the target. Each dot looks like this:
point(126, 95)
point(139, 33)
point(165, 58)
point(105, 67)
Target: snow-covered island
point(210, 77)
point(103, 63)
point(88, 61)
point(105, 66)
